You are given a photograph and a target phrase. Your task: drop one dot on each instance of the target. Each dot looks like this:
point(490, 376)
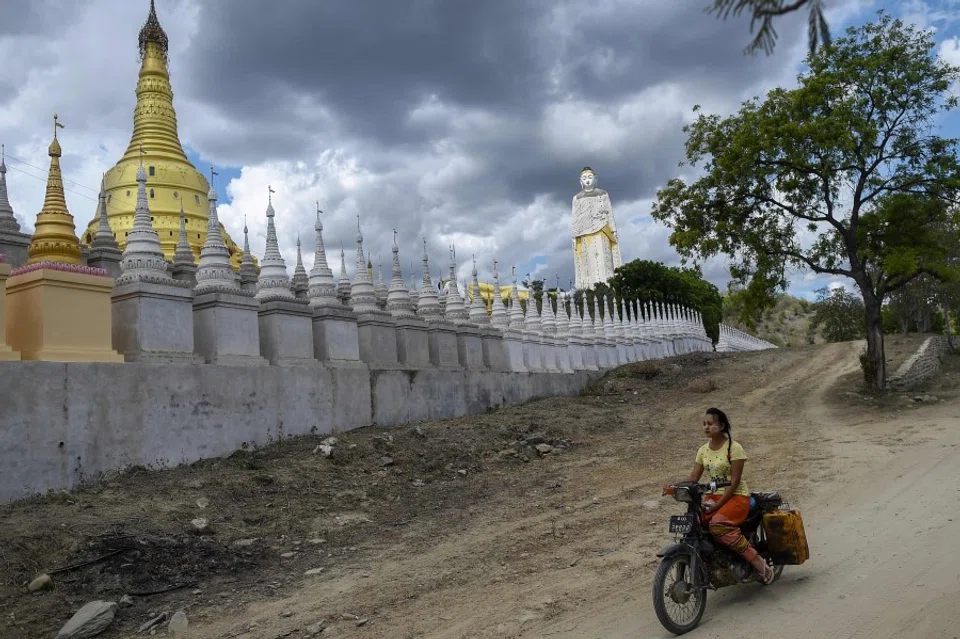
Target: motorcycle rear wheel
point(669, 595)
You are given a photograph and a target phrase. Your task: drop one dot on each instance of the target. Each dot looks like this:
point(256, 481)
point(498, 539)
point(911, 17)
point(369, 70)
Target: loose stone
point(89, 621)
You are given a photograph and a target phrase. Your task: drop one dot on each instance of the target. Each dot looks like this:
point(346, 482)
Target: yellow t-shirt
point(716, 466)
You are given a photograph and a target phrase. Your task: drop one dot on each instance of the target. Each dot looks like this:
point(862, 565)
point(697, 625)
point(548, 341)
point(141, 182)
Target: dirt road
point(883, 561)
point(461, 529)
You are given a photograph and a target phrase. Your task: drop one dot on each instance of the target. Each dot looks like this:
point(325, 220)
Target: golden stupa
point(54, 238)
point(172, 181)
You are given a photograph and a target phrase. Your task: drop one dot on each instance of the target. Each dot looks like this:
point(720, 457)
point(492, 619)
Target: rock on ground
point(178, 622)
point(89, 621)
point(40, 583)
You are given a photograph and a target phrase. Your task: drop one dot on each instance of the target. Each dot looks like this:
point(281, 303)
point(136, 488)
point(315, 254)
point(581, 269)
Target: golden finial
point(153, 32)
point(142, 153)
point(54, 150)
point(270, 193)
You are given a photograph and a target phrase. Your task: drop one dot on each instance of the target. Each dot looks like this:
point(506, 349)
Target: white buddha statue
point(595, 246)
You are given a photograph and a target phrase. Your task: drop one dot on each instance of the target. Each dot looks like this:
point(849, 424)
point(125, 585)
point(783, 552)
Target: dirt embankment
point(492, 526)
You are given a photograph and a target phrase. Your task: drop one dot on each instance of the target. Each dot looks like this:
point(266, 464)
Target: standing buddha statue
point(596, 247)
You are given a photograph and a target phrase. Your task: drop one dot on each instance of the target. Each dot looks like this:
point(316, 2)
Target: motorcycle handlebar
point(711, 486)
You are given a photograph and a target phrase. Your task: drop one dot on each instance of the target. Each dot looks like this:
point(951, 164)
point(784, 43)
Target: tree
point(764, 11)
point(915, 306)
point(843, 175)
point(838, 314)
point(653, 281)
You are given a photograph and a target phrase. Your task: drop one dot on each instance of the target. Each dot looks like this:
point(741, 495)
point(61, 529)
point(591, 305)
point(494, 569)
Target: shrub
point(702, 385)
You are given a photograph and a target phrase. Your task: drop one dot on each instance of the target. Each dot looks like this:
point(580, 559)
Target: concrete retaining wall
point(921, 365)
point(63, 424)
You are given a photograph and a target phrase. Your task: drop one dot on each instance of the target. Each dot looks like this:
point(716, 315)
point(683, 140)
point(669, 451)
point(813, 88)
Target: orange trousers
point(724, 524)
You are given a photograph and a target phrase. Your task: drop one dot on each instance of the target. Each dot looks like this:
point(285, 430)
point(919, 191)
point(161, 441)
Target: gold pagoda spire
point(55, 237)
point(173, 183)
point(154, 118)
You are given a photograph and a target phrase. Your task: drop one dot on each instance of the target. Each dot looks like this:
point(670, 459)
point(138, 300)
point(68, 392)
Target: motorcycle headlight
point(683, 494)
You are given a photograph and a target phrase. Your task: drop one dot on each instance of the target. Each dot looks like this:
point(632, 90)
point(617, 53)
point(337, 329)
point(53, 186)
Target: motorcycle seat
point(765, 500)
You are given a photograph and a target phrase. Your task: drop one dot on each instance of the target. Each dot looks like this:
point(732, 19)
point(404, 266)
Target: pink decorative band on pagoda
point(59, 266)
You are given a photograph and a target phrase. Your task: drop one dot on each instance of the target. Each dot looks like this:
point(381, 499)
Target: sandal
point(768, 575)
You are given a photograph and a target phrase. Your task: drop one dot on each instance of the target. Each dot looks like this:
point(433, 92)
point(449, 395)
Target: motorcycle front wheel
point(678, 603)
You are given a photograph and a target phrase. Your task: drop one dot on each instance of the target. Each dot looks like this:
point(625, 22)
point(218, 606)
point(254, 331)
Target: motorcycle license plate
point(681, 524)
point(785, 506)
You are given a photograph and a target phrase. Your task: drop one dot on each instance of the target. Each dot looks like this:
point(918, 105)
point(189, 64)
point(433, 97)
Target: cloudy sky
point(465, 122)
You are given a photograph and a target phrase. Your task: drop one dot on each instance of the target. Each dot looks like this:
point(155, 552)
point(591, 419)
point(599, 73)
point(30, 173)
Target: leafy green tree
point(764, 12)
point(843, 175)
point(838, 314)
point(915, 307)
point(653, 281)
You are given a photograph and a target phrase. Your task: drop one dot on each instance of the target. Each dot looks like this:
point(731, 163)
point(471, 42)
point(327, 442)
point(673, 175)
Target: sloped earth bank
point(464, 529)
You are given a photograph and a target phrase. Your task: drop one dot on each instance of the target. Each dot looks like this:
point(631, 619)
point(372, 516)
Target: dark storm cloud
point(370, 63)
point(34, 17)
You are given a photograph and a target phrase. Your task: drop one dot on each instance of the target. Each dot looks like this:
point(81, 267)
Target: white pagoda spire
point(532, 320)
point(478, 308)
point(322, 289)
point(382, 292)
point(8, 221)
point(498, 314)
point(548, 321)
point(414, 292)
point(586, 322)
point(214, 273)
point(455, 310)
point(143, 259)
point(274, 282)
point(574, 325)
point(363, 297)
point(343, 284)
point(428, 304)
point(515, 312)
point(248, 270)
point(300, 282)
point(560, 316)
point(398, 297)
point(182, 254)
point(104, 237)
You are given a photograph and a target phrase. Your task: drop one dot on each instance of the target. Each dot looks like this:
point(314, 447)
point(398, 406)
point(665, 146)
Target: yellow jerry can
point(786, 539)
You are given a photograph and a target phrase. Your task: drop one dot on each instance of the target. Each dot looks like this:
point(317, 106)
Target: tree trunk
point(946, 326)
point(875, 354)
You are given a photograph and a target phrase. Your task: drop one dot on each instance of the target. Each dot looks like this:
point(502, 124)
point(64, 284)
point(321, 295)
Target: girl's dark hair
point(721, 418)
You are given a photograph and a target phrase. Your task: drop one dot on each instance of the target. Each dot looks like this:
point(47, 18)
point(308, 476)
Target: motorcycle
point(697, 562)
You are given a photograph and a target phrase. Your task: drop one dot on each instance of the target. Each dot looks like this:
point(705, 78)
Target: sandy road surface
point(883, 532)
